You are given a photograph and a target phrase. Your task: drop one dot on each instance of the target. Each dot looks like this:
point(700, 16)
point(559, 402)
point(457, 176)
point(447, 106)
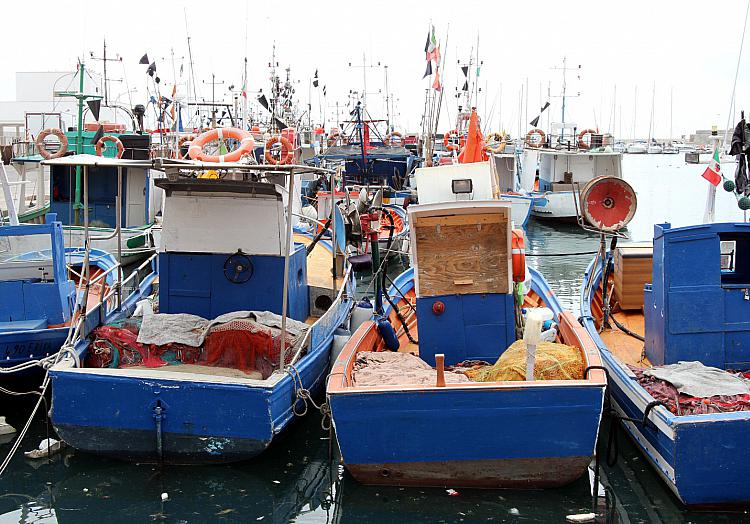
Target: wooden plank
point(455, 220)
point(463, 254)
point(319, 265)
point(633, 268)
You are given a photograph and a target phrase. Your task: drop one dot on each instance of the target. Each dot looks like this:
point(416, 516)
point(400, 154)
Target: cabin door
point(136, 198)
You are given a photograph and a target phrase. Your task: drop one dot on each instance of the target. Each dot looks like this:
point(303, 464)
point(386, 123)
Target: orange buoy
point(109, 138)
point(246, 140)
point(518, 252)
point(449, 144)
point(287, 151)
point(181, 142)
point(530, 137)
point(581, 143)
point(42, 148)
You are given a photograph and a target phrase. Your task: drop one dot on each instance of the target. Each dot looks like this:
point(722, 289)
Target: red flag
point(713, 171)
point(436, 83)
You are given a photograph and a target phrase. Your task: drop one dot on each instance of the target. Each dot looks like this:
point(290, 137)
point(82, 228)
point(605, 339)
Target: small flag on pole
point(315, 79)
point(144, 59)
point(436, 83)
point(713, 171)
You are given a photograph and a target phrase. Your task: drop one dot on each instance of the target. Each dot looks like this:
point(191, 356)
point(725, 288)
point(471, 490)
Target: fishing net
point(243, 344)
point(553, 362)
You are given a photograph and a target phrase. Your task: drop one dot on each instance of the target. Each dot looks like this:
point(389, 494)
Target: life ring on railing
point(42, 148)
point(535, 132)
point(389, 137)
point(518, 252)
point(287, 151)
point(449, 144)
point(181, 142)
point(109, 138)
point(246, 140)
point(581, 143)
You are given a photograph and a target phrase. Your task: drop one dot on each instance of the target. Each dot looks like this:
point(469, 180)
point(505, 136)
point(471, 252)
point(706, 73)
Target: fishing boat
point(563, 169)
point(483, 172)
point(672, 313)
point(141, 199)
point(456, 305)
point(247, 314)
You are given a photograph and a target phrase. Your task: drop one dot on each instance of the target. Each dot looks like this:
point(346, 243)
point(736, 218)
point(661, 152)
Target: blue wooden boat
point(226, 246)
point(687, 296)
point(506, 434)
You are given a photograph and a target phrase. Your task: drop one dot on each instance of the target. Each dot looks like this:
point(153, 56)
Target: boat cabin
point(34, 281)
point(698, 304)
point(141, 201)
point(559, 170)
point(463, 281)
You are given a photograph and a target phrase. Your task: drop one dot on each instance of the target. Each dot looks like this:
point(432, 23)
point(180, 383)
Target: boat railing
point(326, 315)
point(134, 276)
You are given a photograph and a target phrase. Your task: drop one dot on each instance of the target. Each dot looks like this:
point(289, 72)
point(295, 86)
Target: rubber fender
point(388, 333)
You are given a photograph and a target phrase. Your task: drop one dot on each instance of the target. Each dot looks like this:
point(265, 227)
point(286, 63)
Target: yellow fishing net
point(553, 362)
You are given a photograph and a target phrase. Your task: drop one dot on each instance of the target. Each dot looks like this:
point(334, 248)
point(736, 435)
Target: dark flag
point(94, 106)
point(427, 43)
point(324, 90)
point(315, 79)
point(151, 69)
point(428, 71)
point(465, 70)
point(465, 87)
point(263, 101)
point(144, 59)
point(535, 122)
point(98, 135)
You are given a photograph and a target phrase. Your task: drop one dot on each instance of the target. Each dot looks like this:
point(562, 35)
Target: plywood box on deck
point(633, 269)
point(461, 247)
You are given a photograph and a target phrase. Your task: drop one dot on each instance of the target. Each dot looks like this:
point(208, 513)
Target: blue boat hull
point(23, 346)
point(487, 437)
point(702, 458)
point(202, 419)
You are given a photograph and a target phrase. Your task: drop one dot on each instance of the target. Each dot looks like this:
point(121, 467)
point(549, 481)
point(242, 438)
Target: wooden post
point(440, 366)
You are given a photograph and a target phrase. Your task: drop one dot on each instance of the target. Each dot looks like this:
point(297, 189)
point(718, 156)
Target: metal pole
point(118, 217)
point(333, 225)
point(288, 245)
point(79, 145)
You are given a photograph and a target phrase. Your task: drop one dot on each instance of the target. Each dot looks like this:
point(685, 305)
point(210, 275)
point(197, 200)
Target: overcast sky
point(688, 47)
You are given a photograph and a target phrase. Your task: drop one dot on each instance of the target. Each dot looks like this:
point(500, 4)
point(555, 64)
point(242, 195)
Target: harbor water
point(301, 479)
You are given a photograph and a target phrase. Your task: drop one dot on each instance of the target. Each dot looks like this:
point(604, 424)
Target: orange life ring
point(247, 144)
point(449, 145)
point(42, 148)
point(287, 151)
point(389, 137)
point(581, 143)
point(183, 139)
point(109, 138)
point(538, 132)
point(518, 251)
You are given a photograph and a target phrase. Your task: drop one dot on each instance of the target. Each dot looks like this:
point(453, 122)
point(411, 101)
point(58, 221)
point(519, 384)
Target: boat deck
point(319, 265)
point(197, 369)
point(628, 349)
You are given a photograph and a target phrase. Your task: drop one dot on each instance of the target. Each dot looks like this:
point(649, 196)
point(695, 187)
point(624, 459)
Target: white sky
point(690, 47)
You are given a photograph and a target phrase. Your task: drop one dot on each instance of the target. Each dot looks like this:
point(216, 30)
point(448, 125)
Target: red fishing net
point(243, 344)
point(681, 404)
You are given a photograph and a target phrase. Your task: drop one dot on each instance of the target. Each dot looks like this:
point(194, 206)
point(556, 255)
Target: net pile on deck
point(690, 388)
point(552, 362)
point(385, 368)
point(247, 341)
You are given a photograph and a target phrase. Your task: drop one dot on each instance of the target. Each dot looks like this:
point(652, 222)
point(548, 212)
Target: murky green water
point(300, 479)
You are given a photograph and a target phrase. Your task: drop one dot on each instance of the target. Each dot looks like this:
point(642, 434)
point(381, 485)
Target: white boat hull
point(557, 205)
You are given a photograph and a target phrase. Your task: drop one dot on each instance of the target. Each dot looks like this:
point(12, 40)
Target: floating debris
point(47, 448)
point(164, 497)
point(514, 511)
point(581, 517)
point(452, 492)
point(5, 428)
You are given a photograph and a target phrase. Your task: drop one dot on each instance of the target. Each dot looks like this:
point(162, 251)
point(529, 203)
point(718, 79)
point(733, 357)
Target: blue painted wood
point(473, 327)
point(701, 458)
point(195, 283)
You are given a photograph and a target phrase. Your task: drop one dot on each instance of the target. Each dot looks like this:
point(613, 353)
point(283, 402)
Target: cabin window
point(734, 259)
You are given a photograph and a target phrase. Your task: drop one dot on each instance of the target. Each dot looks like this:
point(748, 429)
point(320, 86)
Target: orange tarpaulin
point(473, 151)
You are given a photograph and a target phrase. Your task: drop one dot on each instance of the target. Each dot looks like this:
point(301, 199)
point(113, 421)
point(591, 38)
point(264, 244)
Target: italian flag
point(713, 171)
